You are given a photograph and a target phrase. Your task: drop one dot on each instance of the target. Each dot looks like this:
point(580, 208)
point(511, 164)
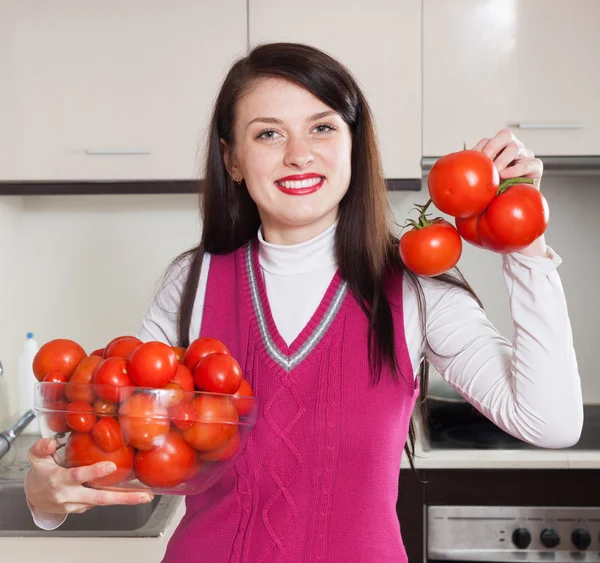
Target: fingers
point(501, 140)
point(96, 497)
point(510, 153)
point(41, 448)
point(85, 473)
point(530, 168)
point(479, 146)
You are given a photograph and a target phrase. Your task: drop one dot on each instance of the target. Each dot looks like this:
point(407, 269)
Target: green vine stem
point(511, 182)
point(422, 221)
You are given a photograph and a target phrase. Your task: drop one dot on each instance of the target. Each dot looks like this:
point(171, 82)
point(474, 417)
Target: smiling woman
point(298, 273)
point(303, 136)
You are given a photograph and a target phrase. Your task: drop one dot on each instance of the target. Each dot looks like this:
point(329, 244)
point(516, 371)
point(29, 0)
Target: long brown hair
point(366, 248)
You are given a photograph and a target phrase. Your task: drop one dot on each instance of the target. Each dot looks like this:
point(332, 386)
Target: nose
point(298, 154)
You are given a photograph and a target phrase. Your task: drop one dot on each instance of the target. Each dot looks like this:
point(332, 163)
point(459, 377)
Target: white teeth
point(301, 184)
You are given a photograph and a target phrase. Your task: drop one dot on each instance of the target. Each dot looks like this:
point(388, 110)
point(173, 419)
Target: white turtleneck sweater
point(530, 388)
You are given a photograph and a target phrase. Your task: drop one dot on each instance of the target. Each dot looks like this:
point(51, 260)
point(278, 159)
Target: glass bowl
point(164, 441)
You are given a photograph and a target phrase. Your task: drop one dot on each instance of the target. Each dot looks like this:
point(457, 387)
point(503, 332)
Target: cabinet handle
point(550, 125)
point(96, 152)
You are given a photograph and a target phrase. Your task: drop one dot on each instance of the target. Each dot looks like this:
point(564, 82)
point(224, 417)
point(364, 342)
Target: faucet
point(8, 436)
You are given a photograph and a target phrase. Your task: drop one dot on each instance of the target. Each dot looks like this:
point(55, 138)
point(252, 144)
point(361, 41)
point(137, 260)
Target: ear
point(229, 160)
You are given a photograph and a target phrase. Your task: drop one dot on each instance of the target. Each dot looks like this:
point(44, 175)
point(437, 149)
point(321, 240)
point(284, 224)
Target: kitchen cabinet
point(112, 91)
point(380, 43)
point(530, 66)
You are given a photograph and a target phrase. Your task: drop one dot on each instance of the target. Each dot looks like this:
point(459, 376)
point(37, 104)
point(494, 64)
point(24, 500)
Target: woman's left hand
point(511, 157)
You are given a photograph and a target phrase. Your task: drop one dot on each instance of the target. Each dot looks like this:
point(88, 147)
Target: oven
point(513, 533)
point(539, 511)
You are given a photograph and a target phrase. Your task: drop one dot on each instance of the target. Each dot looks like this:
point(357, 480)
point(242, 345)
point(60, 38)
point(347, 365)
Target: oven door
point(512, 533)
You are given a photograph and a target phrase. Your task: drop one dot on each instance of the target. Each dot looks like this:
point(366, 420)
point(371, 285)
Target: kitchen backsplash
point(86, 267)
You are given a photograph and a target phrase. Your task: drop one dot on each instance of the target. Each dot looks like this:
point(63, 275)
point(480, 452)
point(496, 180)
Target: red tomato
point(463, 184)
point(168, 464)
point(468, 229)
point(243, 406)
point(107, 434)
point(80, 416)
point(223, 453)
point(57, 355)
point(200, 348)
point(432, 250)
point(184, 378)
point(53, 387)
point(514, 219)
point(217, 422)
point(104, 408)
point(111, 380)
point(153, 364)
point(122, 347)
point(180, 353)
point(172, 394)
point(218, 373)
point(57, 421)
point(79, 387)
point(98, 352)
point(144, 422)
point(183, 415)
point(81, 449)
point(116, 339)
point(195, 469)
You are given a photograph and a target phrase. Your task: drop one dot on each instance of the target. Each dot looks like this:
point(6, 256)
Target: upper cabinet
point(380, 43)
point(112, 90)
point(531, 66)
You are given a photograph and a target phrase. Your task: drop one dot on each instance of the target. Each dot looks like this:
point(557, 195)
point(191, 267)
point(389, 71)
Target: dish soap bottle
point(27, 380)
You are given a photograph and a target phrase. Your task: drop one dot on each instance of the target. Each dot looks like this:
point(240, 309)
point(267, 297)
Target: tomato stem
point(422, 221)
point(511, 182)
point(464, 146)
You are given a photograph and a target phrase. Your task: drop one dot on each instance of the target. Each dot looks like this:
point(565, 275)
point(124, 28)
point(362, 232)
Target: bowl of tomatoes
point(171, 420)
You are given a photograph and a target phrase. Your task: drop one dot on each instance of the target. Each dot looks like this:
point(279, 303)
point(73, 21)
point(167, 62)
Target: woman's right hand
point(53, 489)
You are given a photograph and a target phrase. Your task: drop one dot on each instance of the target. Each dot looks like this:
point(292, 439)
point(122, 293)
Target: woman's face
point(293, 152)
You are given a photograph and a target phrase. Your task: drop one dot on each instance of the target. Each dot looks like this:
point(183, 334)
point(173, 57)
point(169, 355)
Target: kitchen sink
point(141, 520)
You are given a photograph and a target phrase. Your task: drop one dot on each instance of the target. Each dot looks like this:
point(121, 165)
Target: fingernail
point(45, 443)
point(144, 498)
point(108, 467)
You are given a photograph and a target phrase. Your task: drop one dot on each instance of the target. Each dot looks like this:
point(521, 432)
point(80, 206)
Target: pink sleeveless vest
point(318, 478)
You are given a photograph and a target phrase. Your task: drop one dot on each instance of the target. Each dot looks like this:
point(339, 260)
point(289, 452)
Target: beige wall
point(89, 265)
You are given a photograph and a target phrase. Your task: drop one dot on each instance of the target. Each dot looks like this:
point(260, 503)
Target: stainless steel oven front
point(513, 534)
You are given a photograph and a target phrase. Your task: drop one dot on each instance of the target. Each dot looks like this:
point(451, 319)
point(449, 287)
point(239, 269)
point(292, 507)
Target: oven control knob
point(549, 537)
point(581, 538)
point(521, 538)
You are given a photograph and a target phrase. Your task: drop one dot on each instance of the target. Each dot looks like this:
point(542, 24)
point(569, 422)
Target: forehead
point(276, 97)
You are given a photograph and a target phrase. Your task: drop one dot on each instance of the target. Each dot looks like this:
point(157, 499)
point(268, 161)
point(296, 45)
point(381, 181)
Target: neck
point(278, 233)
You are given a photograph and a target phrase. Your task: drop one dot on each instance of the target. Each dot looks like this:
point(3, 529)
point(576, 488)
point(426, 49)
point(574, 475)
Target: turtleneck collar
point(288, 260)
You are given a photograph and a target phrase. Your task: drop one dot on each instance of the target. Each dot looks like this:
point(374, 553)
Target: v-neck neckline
point(312, 333)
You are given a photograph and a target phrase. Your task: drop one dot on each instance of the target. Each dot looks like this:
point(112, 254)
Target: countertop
point(90, 550)
point(502, 458)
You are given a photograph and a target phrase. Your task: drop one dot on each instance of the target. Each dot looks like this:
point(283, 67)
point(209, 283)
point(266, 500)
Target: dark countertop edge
point(142, 187)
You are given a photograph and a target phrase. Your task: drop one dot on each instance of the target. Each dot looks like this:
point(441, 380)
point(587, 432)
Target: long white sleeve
point(45, 520)
point(160, 321)
point(531, 389)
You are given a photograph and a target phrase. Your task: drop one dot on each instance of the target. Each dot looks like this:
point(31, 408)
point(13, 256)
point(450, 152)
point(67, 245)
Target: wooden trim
point(143, 187)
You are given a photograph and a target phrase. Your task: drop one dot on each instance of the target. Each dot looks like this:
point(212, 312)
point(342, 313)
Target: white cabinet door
point(117, 90)
point(8, 94)
point(380, 42)
point(531, 65)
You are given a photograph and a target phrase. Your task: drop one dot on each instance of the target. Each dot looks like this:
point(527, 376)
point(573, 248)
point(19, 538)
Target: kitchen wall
point(86, 267)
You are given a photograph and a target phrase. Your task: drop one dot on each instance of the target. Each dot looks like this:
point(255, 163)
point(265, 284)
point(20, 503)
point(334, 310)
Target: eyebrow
point(314, 117)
